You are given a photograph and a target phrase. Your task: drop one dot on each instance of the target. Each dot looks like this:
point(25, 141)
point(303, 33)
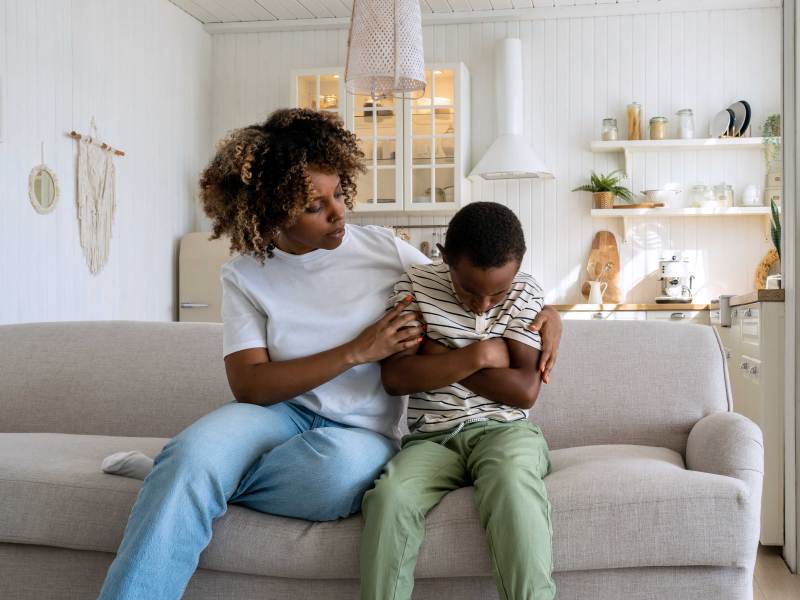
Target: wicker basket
point(603, 199)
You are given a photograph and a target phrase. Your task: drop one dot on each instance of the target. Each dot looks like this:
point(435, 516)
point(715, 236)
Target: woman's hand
point(387, 336)
point(548, 324)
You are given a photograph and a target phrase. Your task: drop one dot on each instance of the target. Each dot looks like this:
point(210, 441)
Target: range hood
point(510, 156)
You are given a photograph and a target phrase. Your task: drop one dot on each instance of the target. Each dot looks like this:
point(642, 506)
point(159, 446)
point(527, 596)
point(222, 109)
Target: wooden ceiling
point(243, 11)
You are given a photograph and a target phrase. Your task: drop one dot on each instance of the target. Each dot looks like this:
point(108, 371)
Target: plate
point(721, 123)
point(747, 115)
point(741, 120)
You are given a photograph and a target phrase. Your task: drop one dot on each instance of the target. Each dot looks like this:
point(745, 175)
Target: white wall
point(576, 71)
point(142, 69)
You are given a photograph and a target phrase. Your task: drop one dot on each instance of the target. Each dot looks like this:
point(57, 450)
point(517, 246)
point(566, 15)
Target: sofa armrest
point(727, 443)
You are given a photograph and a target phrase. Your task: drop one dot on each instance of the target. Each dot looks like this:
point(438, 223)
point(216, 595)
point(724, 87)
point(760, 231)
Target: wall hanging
point(96, 197)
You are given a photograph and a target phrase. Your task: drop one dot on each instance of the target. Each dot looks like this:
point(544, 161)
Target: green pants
point(506, 463)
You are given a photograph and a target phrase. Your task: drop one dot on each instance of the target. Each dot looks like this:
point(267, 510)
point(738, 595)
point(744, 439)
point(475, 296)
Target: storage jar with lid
point(658, 128)
point(609, 131)
point(701, 196)
point(724, 195)
point(634, 114)
point(685, 124)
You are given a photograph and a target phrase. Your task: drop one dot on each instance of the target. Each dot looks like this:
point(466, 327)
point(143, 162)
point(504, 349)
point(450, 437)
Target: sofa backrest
point(131, 378)
point(615, 382)
point(632, 382)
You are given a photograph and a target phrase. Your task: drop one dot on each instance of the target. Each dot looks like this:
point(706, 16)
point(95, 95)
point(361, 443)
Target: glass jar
point(724, 195)
point(658, 128)
point(609, 131)
point(685, 124)
point(634, 114)
point(701, 196)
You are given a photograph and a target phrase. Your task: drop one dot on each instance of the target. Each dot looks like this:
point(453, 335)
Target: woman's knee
point(347, 464)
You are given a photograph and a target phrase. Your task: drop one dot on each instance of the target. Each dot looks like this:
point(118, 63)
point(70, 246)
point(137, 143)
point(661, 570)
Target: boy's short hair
point(487, 233)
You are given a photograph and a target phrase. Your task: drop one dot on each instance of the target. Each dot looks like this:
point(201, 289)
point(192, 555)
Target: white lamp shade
point(384, 48)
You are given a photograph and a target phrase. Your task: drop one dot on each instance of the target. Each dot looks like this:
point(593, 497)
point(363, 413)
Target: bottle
point(685, 124)
point(609, 131)
point(634, 113)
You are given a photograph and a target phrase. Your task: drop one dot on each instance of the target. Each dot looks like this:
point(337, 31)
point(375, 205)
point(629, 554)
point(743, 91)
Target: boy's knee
point(390, 497)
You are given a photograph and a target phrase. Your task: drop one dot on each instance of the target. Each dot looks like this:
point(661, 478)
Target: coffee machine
point(676, 280)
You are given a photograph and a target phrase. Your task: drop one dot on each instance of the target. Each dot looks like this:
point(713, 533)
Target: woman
point(304, 329)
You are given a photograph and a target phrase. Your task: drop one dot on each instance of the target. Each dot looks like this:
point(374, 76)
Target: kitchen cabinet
point(698, 317)
point(754, 351)
point(416, 149)
point(603, 315)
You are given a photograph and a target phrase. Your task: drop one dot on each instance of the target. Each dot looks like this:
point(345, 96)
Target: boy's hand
point(548, 324)
point(494, 353)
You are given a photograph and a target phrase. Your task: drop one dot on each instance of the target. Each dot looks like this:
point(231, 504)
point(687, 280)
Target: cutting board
point(604, 250)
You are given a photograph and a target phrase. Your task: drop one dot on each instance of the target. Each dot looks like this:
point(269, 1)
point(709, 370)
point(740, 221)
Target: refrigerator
point(199, 288)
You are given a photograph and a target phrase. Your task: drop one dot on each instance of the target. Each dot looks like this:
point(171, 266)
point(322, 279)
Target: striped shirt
point(450, 323)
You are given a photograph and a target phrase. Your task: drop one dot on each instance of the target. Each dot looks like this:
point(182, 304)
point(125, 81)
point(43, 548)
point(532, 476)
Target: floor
point(773, 581)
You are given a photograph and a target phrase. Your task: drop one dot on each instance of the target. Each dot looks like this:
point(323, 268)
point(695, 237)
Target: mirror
point(43, 189)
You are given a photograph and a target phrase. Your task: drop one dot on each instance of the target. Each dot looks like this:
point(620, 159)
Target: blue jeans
point(280, 459)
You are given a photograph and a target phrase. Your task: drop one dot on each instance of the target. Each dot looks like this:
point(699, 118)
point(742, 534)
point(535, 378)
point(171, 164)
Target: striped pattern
point(451, 324)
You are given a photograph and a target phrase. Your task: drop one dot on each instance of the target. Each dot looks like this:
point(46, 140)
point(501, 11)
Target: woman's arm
point(257, 380)
point(548, 324)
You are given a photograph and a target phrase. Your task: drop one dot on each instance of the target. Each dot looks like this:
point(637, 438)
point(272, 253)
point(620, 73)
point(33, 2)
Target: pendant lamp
point(384, 49)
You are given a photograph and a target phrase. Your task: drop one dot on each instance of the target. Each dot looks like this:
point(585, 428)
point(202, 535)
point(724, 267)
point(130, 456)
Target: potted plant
point(605, 188)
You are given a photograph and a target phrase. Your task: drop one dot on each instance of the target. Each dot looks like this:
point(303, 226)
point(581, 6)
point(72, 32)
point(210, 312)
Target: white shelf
point(678, 144)
point(737, 211)
point(627, 213)
point(629, 146)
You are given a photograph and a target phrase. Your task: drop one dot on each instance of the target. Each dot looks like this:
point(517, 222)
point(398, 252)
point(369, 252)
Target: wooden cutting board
point(604, 250)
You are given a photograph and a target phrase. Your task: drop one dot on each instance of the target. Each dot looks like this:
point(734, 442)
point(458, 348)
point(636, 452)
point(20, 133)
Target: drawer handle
point(193, 305)
point(597, 315)
point(677, 316)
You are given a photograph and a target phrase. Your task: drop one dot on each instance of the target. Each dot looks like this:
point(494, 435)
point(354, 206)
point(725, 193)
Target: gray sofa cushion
point(613, 506)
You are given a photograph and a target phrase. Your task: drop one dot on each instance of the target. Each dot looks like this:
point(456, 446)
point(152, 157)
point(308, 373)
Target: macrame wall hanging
point(96, 197)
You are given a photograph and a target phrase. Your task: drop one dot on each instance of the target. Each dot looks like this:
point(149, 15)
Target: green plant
point(772, 138)
point(606, 183)
point(775, 227)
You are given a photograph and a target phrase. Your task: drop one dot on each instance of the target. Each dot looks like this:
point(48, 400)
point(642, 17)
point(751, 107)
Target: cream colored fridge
point(199, 288)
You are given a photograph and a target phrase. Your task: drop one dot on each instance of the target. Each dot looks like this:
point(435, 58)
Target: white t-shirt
point(299, 305)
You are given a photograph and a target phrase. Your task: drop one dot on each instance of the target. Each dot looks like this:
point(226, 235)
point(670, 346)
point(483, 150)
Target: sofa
point(655, 483)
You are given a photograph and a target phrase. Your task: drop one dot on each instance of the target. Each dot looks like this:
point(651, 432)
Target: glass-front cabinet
point(379, 127)
point(417, 151)
point(320, 89)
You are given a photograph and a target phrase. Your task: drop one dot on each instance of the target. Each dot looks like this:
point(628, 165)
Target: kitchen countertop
point(613, 307)
point(759, 296)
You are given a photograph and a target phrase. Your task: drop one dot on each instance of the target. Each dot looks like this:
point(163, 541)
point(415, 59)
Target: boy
point(470, 384)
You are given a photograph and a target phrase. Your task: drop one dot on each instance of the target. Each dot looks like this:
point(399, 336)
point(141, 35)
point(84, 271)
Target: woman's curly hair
point(258, 182)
